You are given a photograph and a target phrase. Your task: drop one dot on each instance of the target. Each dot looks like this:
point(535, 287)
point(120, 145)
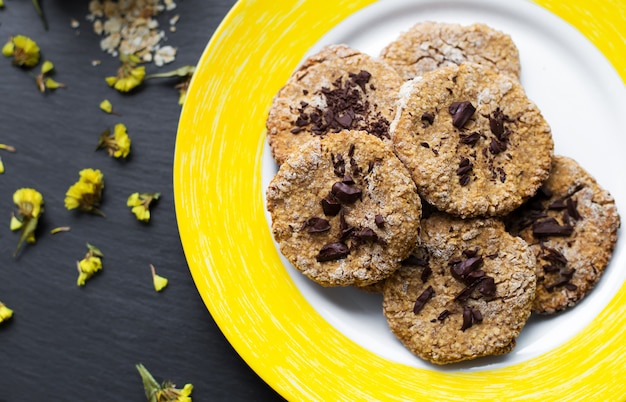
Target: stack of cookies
point(428, 175)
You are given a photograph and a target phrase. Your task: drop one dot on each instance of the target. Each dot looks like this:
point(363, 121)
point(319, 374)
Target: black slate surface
point(67, 343)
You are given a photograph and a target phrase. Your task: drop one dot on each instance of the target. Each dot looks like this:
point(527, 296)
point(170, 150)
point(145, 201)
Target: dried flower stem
point(41, 14)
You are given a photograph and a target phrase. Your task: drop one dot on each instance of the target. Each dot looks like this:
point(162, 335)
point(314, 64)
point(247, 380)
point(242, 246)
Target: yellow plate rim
point(229, 249)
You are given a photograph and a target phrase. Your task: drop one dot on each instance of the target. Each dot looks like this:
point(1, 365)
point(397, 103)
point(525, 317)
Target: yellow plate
point(269, 315)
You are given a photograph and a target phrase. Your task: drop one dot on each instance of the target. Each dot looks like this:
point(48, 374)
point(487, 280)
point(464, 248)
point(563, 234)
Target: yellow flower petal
point(5, 313)
point(111, 80)
point(141, 212)
point(52, 84)
point(122, 141)
point(1, 166)
point(133, 200)
point(89, 175)
point(106, 106)
point(15, 223)
point(8, 49)
point(46, 67)
point(158, 281)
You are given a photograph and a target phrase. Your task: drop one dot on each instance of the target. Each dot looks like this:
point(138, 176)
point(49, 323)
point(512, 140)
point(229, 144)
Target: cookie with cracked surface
point(472, 140)
point(335, 89)
point(344, 210)
point(468, 296)
point(571, 226)
point(430, 45)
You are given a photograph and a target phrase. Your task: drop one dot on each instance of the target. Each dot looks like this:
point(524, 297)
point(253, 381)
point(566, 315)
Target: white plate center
point(582, 98)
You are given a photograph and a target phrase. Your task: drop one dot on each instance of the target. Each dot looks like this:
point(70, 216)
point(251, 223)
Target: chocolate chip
point(345, 119)
point(464, 294)
point(477, 316)
point(316, 225)
point(471, 316)
point(426, 273)
point(460, 270)
point(330, 205)
point(469, 139)
point(380, 221)
point(423, 299)
point(572, 210)
point(332, 252)
point(551, 227)
point(339, 164)
point(427, 119)
point(496, 146)
point(351, 150)
point(467, 318)
point(362, 78)
point(366, 234)
point(425, 144)
point(346, 193)
point(345, 230)
point(464, 170)
point(443, 315)
point(347, 180)
point(487, 286)
point(461, 113)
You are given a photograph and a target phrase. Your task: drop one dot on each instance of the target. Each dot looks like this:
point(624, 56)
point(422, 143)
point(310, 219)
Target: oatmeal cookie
point(467, 292)
point(473, 142)
point(337, 88)
point(344, 210)
point(430, 45)
point(571, 226)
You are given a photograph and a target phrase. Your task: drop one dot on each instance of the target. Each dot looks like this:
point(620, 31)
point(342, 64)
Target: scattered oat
point(74, 23)
point(96, 62)
point(164, 55)
point(130, 27)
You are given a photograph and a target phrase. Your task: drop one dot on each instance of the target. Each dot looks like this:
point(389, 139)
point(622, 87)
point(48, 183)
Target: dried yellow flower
point(1, 3)
point(24, 50)
point(30, 207)
point(117, 144)
point(140, 204)
point(1, 166)
point(86, 193)
point(43, 81)
point(129, 75)
point(165, 392)
point(185, 73)
point(5, 313)
point(106, 106)
point(158, 281)
point(89, 265)
point(60, 229)
point(7, 147)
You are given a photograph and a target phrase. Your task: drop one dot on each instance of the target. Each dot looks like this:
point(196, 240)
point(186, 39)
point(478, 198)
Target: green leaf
point(27, 229)
point(41, 14)
point(94, 250)
point(179, 72)
point(150, 386)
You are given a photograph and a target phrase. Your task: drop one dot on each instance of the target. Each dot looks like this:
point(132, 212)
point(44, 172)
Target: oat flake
point(130, 27)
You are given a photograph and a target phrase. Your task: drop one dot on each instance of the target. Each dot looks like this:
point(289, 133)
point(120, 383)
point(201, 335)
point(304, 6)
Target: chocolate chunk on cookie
point(344, 210)
point(338, 88)
point(467, 295)
point(430, 45)
point(571, 226)
point(473, 142)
